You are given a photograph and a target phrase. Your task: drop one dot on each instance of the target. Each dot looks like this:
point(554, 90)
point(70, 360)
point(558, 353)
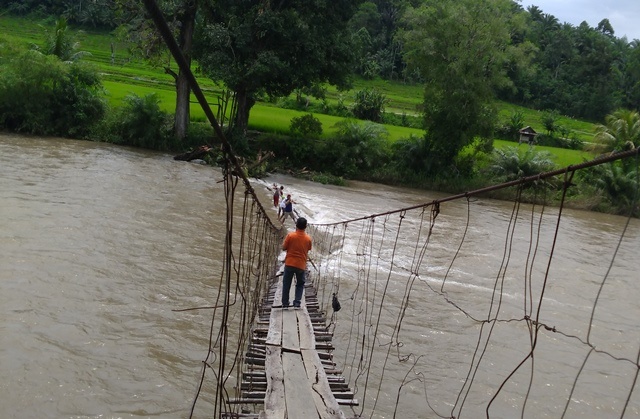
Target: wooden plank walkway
point(290, 366)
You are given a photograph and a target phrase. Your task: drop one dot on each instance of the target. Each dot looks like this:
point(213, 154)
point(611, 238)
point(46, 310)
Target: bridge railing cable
point(442, 317)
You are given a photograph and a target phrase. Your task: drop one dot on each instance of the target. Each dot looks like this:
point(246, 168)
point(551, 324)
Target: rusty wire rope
point(377, 251)
point(397, 264)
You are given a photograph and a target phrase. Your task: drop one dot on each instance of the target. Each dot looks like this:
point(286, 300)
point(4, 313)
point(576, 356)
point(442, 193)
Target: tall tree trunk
point(245, 102)
point(182, 116)
point(183, 91)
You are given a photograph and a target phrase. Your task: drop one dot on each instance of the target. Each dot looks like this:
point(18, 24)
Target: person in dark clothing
point(288, 209)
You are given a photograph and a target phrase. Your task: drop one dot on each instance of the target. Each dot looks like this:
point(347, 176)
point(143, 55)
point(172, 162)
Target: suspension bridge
point(264, 361)
point(289, 365)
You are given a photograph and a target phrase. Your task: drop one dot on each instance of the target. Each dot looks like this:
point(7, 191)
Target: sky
point(624, 15)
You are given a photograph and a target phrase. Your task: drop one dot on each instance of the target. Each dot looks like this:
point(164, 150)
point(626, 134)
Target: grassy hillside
point(123, 75)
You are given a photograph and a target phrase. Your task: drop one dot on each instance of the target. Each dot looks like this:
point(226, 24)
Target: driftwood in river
point(198, 153)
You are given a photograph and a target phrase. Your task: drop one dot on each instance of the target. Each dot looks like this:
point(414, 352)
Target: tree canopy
point(580, 71)
point(275, 47)
point(462, 49)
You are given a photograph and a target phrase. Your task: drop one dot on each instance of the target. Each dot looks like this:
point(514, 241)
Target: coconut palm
point(618, 180)
point(620, 132)
point(513, 163)
point(535, 12)
point(61, 44)
point(616, 184)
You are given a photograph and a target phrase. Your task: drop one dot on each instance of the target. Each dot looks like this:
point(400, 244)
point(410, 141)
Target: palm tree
point(620, 132)
point(61, 44)
point(535, 12)
point(512, 163)
point(618, 180)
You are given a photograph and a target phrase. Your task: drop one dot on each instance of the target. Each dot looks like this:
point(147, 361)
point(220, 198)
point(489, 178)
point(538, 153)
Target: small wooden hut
point(528, 135)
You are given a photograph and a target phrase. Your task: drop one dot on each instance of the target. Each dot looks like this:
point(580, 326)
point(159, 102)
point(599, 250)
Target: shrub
point(509, 129)
point(306, 126)
point(327, 179)
point(512, 163)
point(340, 109)
point(141, 123)
point(356, 149)
point(39, 94)
point(369, 105)
point(199, 133)
point(550, 121)
point(402, 120)
point(292, 149)
point(409, 154)
point(616, 184)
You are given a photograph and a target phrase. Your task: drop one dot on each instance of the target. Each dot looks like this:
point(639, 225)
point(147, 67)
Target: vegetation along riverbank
point(367, 102)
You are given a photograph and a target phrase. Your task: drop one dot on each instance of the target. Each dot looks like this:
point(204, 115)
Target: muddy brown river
point(99, 243)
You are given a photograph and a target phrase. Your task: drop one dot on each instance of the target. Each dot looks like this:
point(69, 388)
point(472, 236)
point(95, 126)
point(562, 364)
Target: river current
point(99, 243)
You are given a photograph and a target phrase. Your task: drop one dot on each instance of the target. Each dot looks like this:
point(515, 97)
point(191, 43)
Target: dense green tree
point(577, 70)
point(628, 73)
point(592, 71)
point(97, 13)
point(40, 94)
point(461, 49)
point(271, 47)
point(364, 25)
point(376, 24)
point(141, 32)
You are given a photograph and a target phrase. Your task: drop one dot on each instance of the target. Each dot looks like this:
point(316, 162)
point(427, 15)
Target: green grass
point(561, 156)
point(403, 98)
point(581, 129)
point(123, 76)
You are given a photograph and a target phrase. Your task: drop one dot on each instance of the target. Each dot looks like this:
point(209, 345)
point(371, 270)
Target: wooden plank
point(297, 391)
point(274, 334)
point(274, 400)
point(277, 298)
point(305, 329)
point(290, 338)
point(326, 403)
point(292, 293)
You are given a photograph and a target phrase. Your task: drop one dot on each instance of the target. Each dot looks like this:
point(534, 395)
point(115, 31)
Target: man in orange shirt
point(297, 244)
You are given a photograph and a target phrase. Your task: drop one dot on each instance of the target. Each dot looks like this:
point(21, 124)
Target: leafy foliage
point(410, 154)
point(98, 13)
point(141, 123)
point(513, 163)
point(515, 124)
point(618, 184)
point(550, 121)
point(459, 93)
point(374, 27)
point(39, 94)
point(61, 43)
point(275, 48)
point(621, 131)
point(369, 105)
point(355, 150)
point(306, 126)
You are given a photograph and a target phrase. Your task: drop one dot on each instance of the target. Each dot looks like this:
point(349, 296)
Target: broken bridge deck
point(290, 366)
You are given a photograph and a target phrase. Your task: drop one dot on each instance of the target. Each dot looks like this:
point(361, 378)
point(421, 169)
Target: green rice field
point(122, 75)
